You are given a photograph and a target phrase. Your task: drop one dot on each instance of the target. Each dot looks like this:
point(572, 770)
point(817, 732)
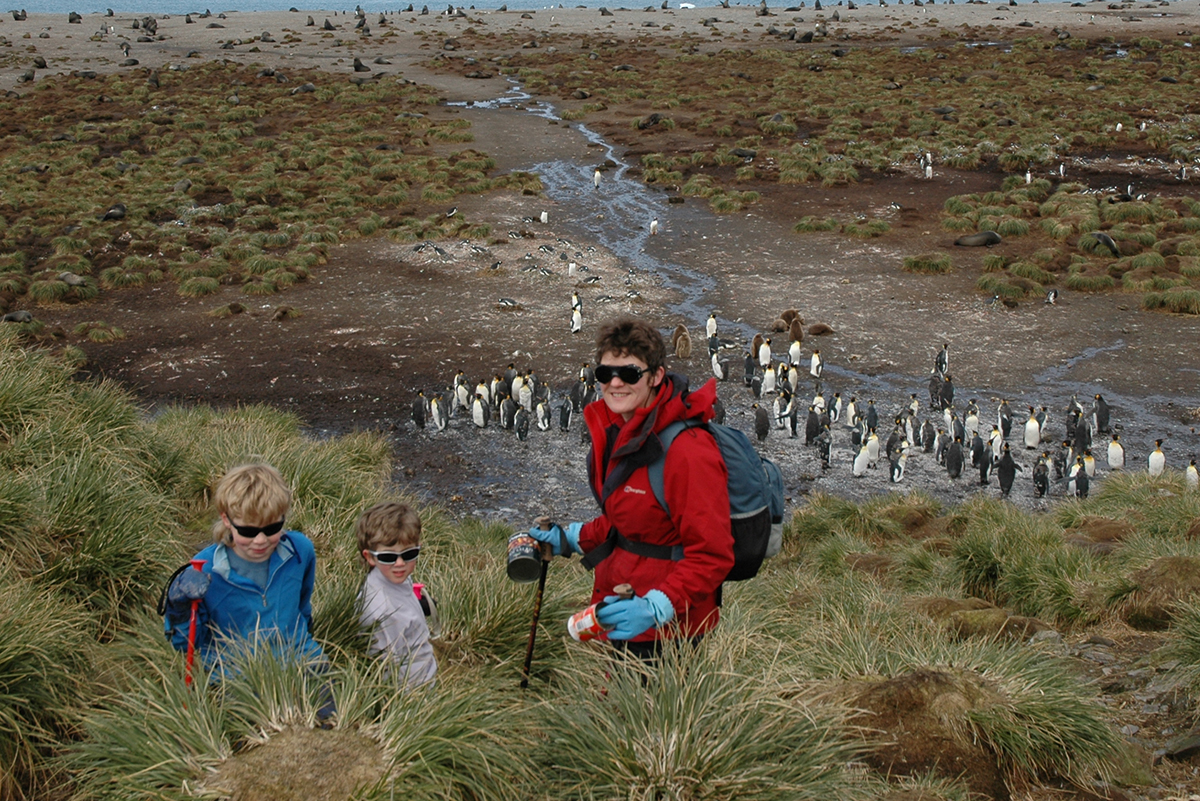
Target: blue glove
point(554, 537)
point(631, 617)
point(191, 585)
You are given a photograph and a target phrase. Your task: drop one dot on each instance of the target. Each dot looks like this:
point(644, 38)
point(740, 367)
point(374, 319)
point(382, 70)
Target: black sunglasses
point(390, 557)
point(250, 532)
point(628, 373)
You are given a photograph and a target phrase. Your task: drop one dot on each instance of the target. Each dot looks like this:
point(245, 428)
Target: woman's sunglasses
point(250, 532)
point(628, 373)
point(390, 557)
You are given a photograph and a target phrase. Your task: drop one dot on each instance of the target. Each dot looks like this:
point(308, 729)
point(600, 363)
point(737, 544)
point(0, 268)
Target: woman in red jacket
point(675, 562)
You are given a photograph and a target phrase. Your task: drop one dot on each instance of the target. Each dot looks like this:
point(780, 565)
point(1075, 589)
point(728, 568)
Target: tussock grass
point(866, 228)
point(808, 225)
point(936, 263)
point(691, 727)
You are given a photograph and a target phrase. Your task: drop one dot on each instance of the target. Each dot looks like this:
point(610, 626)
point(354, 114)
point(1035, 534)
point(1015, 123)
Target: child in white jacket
point(389, 540)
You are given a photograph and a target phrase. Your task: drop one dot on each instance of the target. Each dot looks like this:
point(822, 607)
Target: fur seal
point(981, 239)
point(22, 316)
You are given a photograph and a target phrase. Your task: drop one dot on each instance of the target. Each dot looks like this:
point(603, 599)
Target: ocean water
point(176, 7)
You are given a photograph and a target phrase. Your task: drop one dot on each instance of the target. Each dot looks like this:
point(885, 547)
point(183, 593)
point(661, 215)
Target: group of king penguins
point(516, 400)
point(957, 443)
point(513, 399)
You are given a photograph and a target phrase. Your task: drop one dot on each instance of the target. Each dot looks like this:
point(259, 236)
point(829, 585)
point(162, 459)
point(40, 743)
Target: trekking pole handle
point(545, 523)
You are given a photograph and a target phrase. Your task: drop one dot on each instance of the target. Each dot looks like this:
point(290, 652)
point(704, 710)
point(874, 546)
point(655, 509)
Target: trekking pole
point(547, 554)
point(197, 564)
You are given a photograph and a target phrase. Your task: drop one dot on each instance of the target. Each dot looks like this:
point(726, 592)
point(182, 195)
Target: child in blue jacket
point(257, 580)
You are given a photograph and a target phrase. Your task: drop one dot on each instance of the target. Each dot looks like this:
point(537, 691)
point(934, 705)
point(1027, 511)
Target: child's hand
point(191, 585)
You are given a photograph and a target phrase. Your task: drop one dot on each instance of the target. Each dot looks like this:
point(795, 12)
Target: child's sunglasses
point(630, 374)
point(250, 532)
point(390, 557)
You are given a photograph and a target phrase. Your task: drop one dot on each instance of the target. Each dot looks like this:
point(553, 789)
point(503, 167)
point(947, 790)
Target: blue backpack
point(755, 503)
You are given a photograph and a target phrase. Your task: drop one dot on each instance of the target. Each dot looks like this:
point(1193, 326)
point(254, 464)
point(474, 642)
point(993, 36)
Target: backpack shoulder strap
point(655, 469)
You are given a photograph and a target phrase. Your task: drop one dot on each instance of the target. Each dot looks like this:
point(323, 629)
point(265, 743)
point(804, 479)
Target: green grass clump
point(1004, 286)
point(1180, 300)
point(50, 290)
point(99, 331)
point(866, 229)
point(936, 263)
point(1089, 282)
point(808, 225)
point(1026, 269)
point(995, 262)
point(199, 286)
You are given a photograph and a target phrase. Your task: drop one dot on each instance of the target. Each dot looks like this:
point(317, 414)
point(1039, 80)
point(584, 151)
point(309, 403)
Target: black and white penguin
point(522, 424)
point(1089, 463)
point(1006, 470)
point(1157, 461)
point(1004, 416)
point(710, 325)
point(764, 354)
point(816, 364)
point(1042, 416)
point(480, 413)
point(978, 450)
point(851, 415)
point(596, 178)
point(768, 380)
point(872, 448)
point(793, 418)
point(1041, 475)
point(1116, 453)
point(483, 389)
point(418, 409)
point(1083, 434)
point(714, 344)
point(898, 464)
point(893, 441)
point(812, 427)
point(508, 413)
point(861, 462)
point(954, 459)
point(576, 321)
point(749, 366)
point(575, 396)
point(971, 421)
point(935, 390)
point(543, 415)
point(756, 385)
point(1063, 459)
point(871, 415)
point(985, 469)
point(818, 402)
point(928, 436)
point(794, 354)
point(946, 392)
point(762, 422)
point(1100, 415)
point(835, 409)
point(720, 368)
point(995, 444)
point(576, 303)
point(1033, 431)
point(564, 416)
point(941, 445)
point(1082, 481)
point(1191, 476)
point(824, 446)
point(914, 405)
point(525, 393)
point(941, 362)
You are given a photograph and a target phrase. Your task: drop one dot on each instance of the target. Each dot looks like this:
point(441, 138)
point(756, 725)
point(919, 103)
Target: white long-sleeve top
point(393, 615)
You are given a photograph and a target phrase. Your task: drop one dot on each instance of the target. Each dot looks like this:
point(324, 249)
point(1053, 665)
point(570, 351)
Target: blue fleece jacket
point(235, 608)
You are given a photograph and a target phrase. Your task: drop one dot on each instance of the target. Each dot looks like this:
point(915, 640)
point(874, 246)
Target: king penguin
point(418, 409)
point(480, 412)
point(576, 321)
point(1116, 453)
point(861, 462)
point(1100, 415)
point(564, 416)
point(596, 178)
point(522, 424)
point(710, 326)
point(816, 364)
point(1006, 471)
point(764, 354)
point(543, 415)
point(954, 459)
point(941, 362)
point(1192, 477)
point(1033, 431)
point(794, 353)
point(898, 464)
point(1158, 460)
point(1041, 475)
point(762, 422)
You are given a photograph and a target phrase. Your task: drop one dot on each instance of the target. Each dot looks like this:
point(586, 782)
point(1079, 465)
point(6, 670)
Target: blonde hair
point(254, 494)
point(387, 523)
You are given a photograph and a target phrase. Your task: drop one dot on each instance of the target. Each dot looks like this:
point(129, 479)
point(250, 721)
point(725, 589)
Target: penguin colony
point(1059, 450)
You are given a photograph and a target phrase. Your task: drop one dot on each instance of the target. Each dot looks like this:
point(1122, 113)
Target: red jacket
point(695, 489)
